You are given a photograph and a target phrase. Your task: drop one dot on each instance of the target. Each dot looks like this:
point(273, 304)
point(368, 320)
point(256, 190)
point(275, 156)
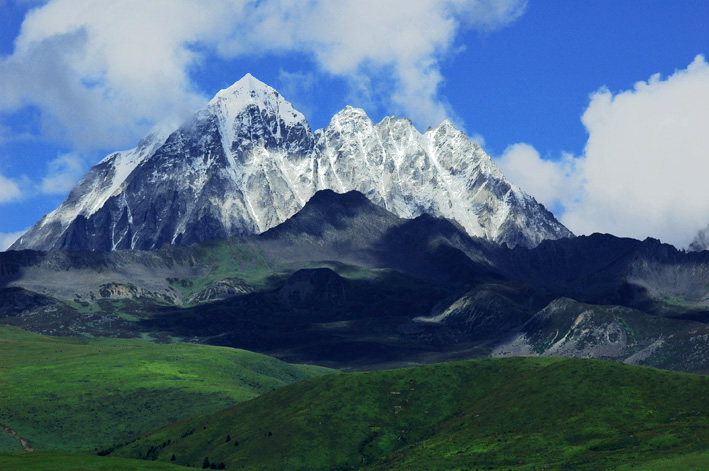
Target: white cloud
point(103, 72)
point(399, 40)
point(7, 239)
point(553, 183)
point(62, 174)
point(647, 159)
point(645, 168)
point(9, 190)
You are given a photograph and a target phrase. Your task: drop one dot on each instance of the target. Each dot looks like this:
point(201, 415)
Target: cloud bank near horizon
point(7, 239)
point(102, 73)
point(645, 166)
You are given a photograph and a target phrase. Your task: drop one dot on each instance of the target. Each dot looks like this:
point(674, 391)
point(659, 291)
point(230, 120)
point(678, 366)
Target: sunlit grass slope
point(79, 394)
point(503, 414)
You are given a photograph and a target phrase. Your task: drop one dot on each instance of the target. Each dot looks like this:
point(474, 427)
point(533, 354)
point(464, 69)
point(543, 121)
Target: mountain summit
point(248, 161)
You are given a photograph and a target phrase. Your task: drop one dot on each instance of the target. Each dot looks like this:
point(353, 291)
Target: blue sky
point(597, 108)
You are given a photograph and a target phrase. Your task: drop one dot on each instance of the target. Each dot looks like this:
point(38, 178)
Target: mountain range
point(248, 161)
point(356, 247)
point(345, 283)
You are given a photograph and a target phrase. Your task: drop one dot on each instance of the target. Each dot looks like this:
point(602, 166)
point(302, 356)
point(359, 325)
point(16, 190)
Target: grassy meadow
point(519, 414)
point(63, 461)
point(145, 406)
point(80, 394)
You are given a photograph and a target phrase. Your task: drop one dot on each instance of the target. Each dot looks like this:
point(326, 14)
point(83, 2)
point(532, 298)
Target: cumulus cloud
point(645, 166)
point(8, 238)
point(103, 72)
point(9, 190)
point(361, 39)
point(60, 177)
point(646, 159)
point(62, 174)
point(553, 183)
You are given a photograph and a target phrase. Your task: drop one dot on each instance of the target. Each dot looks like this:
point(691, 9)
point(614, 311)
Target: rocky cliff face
point(248, 161)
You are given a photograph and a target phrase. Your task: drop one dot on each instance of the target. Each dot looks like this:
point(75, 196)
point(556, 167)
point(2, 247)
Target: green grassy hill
point(79, 394)
point(59, 460)
point(502, 414)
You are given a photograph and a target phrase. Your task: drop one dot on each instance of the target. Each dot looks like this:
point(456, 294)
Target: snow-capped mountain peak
point(350, 118)
point(249, 91)
point(250, 110)
point(248, 161)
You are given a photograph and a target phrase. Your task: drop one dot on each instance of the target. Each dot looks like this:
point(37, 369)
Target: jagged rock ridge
point(248, 161)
